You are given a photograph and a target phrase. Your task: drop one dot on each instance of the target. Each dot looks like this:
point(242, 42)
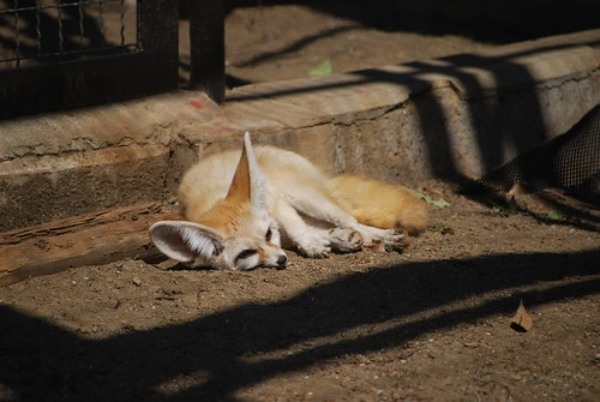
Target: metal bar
point(122, 21)
point(38, 31)
point(81, 29)
point(17, 39)
point(18, 58)
point(110, 50)
point(61, 40)
point(101, 18)
point(76, 84)
point(109, 74)
point(158, 37)
point(207, 38)
point(18, 9)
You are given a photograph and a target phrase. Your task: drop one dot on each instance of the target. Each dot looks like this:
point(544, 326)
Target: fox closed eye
point(245, 254)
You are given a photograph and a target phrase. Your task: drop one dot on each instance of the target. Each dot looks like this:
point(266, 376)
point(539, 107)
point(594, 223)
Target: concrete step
point(451, 118)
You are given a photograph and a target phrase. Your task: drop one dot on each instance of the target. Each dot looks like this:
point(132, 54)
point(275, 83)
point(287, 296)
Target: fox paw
point(314, 252)
point(345, 240)
point(382, 240)
point(315, 247)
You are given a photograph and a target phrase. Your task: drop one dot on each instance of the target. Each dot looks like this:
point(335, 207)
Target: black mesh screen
point(571, 161)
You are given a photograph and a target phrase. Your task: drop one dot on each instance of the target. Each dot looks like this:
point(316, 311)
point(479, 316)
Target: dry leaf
point(521, 321)
point(516, 189)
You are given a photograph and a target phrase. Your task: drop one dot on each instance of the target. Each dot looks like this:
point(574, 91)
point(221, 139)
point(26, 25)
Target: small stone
point(170, 290)
point(137, 281)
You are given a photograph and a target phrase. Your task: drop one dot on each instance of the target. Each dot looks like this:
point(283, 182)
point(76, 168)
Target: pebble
point(170, 290)
point(137, 281)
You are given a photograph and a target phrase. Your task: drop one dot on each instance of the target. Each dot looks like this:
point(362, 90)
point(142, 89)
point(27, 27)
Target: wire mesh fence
point(570, 162)
point(36, 31)
point(57, 54)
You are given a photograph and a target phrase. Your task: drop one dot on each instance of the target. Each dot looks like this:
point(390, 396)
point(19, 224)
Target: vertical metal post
point(207, 41)
point(158, 35)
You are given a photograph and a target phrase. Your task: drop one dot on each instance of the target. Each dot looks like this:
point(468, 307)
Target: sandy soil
point(261, 46)
point(432, 323)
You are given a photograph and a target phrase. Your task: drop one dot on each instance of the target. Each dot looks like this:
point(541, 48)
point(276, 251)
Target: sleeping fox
point(243, 207)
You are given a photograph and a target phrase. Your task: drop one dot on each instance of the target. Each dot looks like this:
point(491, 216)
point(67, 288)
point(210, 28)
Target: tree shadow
point(217, 355)
point(499, 22)
point(505, 116)
point(502, 113)
point(296, 45)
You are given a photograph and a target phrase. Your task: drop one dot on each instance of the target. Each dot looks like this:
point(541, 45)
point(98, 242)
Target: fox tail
point(381, 204)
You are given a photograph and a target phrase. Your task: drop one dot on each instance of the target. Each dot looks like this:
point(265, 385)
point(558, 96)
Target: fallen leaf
point(439, 202)
point(554, 215)
point(521, 321)
point(322, 69)
point(516, 189)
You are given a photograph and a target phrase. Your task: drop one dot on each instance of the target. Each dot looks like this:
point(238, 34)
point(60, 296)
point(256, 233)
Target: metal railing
point(56, 54)
point(39, 30)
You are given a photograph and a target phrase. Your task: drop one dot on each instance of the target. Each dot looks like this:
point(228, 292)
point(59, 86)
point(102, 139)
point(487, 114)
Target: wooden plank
point(95, 238)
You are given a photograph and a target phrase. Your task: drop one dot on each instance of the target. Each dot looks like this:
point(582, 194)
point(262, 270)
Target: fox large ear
point(249, 183)
point(185, 241)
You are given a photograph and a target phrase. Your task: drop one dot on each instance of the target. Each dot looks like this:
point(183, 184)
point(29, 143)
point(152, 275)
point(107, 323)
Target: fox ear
point(185, 241)
point(249, 182)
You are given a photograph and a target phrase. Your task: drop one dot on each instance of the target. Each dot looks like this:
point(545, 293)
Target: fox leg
point(322, 208)
point(314, 241)
point(310, 243)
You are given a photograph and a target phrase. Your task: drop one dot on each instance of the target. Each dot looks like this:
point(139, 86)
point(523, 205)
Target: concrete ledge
point(448, 118)
point(40, 188)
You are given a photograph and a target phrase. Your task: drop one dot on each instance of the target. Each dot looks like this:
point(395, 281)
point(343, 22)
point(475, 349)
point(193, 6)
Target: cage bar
point(207, 38)
point(79, 53)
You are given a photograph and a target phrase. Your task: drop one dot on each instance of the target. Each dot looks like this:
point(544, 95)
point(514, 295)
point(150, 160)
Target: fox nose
point(281, 261)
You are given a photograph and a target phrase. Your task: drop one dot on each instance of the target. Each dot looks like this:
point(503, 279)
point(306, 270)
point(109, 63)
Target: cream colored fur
point(281, 191)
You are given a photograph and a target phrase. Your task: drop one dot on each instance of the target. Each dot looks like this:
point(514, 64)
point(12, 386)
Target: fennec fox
point(239, 217)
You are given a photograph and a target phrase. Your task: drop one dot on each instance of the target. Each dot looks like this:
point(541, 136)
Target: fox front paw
point(345, 240)
point(315, 247)
point(315, 251)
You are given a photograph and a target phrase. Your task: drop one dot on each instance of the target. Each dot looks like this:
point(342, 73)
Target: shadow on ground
point(492, 22)
point(511, 118)
point(40, 361)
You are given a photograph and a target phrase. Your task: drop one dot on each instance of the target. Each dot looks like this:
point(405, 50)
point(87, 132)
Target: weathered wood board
point(94, 238)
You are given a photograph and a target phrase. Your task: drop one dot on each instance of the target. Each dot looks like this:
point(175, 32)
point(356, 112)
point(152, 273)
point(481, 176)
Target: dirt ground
point(431, 323)
point(262, 47)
